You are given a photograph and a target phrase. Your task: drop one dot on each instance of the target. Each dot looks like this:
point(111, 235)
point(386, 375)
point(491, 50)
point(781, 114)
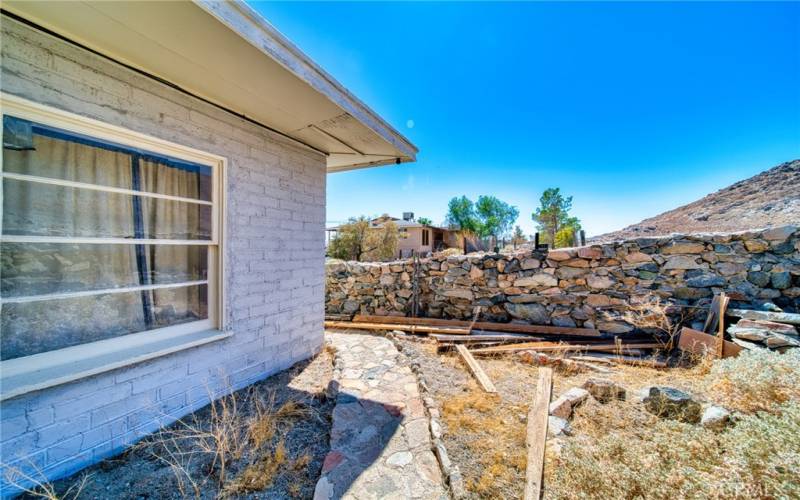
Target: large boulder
point(672, 403)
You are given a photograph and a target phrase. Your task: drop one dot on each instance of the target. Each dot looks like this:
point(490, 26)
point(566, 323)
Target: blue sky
point(631, 108)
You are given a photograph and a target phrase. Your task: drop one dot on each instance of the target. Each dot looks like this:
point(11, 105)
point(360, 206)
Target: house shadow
point(270, 439)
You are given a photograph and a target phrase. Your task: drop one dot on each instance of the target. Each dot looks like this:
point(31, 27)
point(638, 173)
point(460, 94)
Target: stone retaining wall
point(588, 286)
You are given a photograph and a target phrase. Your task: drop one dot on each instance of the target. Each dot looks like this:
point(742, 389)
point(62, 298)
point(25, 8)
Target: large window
point(102, 238)
point(426, 237)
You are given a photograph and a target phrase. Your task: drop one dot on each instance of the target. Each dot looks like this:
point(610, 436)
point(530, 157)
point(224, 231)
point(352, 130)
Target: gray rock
point(672, 403)
point(706, 280)
point(715, 417)
point(564, 321)
point(781, 281)
point(535, 313)
point(682, 262)
point(604, 390)
point(686, 293)
point(758, 278)
point(558, 427)
point(350, 306)
point(576, 396)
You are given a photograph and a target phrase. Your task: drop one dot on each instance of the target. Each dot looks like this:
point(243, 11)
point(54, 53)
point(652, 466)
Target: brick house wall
point(274, 260)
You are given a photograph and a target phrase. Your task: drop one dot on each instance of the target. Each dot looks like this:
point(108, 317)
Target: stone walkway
point(380, 438)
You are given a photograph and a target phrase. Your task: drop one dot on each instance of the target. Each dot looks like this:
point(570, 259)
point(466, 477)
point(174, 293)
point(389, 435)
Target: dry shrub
point(756, 380)
point(757, 458)
point(649, 313)
point(34, 484)
point(494, 437)
point(200, 452)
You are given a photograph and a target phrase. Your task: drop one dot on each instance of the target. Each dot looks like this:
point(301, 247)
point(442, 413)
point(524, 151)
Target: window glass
point(62, 283)
point(45, 325)
point(28, 269)
point(54, 154)
point(34, 209)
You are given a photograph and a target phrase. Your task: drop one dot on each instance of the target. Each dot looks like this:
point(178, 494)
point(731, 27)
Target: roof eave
point(252, 27)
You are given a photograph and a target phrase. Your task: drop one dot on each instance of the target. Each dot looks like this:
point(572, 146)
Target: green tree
point(425, 221)
point(565, 237)
point(356, 240)
point(461, 215)
point(553, 218)
point(495, 217)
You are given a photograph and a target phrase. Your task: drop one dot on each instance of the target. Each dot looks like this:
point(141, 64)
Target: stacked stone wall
point(590, 286)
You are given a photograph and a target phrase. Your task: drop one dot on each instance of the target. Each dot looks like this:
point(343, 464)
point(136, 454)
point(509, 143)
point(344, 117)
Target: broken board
point(697, 342)
point(475, 368)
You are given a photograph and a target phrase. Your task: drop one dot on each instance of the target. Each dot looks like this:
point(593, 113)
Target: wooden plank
point(478, 338)
point(344, 325)
point(482, 325)
point(476, 369)
point(723, 305)
point(622, 360)
point(792, 319)
point(536, 434)
point(697, 342)
point(710, 325)
point(554, 346)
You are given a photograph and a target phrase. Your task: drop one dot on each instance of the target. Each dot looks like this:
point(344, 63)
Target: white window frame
point(38, 371)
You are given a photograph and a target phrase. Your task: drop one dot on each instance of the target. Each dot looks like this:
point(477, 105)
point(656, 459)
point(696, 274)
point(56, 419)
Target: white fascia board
point(252, 27)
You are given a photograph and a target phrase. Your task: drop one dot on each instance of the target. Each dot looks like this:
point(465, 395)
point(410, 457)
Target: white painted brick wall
point(274, 260)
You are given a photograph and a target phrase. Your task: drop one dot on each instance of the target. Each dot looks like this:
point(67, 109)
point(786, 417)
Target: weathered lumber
point(475, 368)
point(622, 360)
point(482, 325)
point(481, 337)
point(556, 346)
point(536, 434)
point(338, 317)
point(697, 342)
point(344, 325)
point(792, 319)
point(723, 305)
point(710, 326)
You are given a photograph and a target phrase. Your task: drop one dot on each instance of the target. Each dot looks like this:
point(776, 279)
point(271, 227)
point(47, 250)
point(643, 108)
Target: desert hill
point(769, 199)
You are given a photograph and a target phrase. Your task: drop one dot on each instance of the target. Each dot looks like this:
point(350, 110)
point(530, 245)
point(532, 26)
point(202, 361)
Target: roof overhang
point(228, 54)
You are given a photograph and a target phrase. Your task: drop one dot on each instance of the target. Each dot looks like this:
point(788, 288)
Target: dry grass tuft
point(201, 453)
point(36, 485)
point(756, 380)
point(494, 435)
point(757, 458)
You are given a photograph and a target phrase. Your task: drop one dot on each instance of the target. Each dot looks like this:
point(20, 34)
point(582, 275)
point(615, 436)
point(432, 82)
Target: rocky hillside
point(769, 199)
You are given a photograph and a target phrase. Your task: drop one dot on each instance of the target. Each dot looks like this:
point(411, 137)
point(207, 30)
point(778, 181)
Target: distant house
point(163, 202)
point(414, 237)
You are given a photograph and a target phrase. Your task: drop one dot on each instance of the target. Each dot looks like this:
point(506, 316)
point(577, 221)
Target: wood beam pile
point(489, 338)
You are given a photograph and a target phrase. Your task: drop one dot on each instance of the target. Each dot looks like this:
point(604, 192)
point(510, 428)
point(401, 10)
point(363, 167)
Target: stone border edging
point(450, 471)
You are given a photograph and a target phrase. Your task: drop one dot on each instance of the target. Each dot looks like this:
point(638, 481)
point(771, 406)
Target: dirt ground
point(485, 434)
point(265, 441)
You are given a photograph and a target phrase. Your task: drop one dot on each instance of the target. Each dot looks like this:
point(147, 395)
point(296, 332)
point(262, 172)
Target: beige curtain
point(47, 210)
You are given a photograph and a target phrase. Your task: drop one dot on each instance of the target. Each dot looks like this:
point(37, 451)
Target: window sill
point(40, 371)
